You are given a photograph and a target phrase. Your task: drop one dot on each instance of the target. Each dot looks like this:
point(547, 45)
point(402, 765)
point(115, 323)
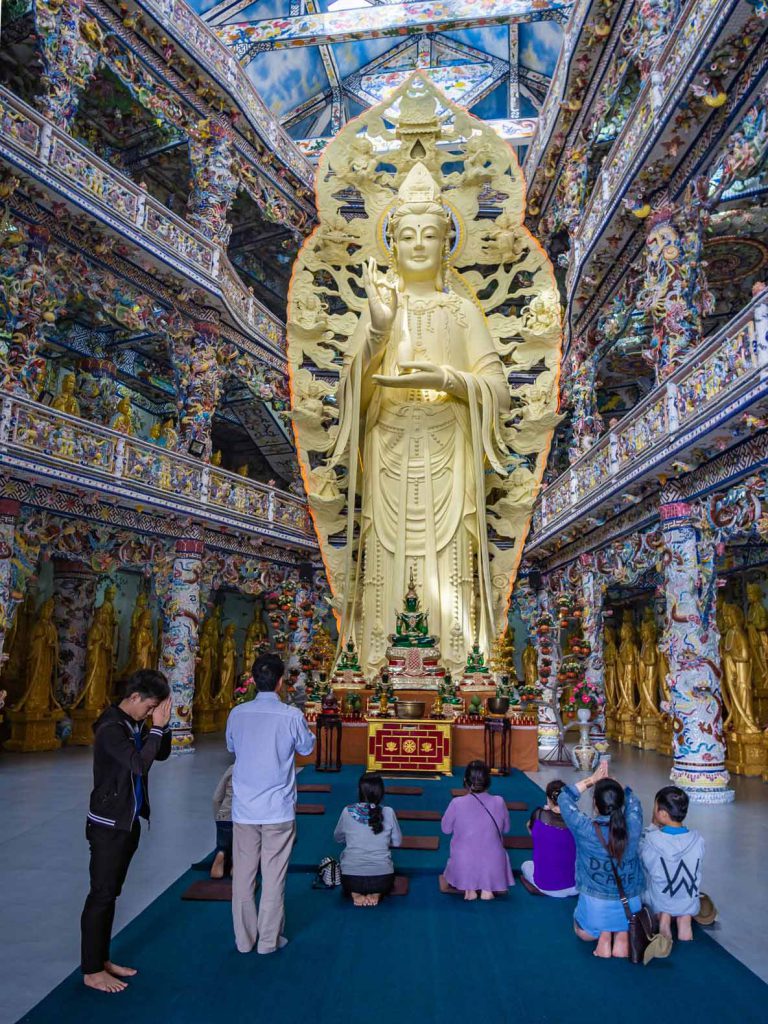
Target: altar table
point(468, 745)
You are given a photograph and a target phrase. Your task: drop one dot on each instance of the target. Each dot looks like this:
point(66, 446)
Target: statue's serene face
point(419, 242)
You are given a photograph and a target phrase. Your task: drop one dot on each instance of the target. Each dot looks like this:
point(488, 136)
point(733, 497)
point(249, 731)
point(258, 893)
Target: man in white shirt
point(264, 735)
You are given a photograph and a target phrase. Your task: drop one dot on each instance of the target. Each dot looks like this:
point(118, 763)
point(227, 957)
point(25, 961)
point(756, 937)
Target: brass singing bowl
point(498, 705)
point(410, 708)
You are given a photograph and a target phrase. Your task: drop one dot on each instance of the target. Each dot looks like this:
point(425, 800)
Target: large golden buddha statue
point(737, 673)
point(422, 427)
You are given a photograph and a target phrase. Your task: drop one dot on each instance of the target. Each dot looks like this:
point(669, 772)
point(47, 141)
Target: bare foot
point(118, 971)
point(358, 899)
point(373, 899)
point(217, 868)
point(684, 929)
point(665, 925)
point(603, 947)
point(486, 894)
point(470, 894)
point(103, 981)
point(621, 944)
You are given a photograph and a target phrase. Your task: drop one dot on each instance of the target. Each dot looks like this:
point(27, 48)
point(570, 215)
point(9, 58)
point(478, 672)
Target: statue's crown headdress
point(418, 187)
point(418, 193)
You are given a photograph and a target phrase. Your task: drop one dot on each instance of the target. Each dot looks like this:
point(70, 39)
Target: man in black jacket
point(124, 748)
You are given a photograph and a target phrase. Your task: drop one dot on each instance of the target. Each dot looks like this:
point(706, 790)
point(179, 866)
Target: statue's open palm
point(382, 298)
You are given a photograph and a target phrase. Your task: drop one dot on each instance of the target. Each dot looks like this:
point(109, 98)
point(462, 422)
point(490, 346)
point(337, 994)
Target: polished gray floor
point(43, 856)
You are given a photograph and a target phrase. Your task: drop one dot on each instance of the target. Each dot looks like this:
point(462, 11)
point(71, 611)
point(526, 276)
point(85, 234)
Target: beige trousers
point(267, 847)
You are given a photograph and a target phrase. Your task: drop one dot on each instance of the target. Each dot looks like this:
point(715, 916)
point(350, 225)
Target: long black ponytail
point(609, 800)
point(370, 790)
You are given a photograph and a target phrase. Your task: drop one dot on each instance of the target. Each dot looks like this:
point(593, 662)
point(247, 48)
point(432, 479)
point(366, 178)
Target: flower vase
point(584, 753)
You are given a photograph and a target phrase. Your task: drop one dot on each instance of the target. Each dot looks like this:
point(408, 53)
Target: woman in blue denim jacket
point(599, 914)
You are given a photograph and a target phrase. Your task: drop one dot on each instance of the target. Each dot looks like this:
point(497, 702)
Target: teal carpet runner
point(425, 958)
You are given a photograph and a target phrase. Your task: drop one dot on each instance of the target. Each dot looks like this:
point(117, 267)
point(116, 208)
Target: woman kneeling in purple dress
point(477, 823)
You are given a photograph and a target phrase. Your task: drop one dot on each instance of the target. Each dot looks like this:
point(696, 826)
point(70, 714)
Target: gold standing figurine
point(142, 644)
point(66, 401)
point(530, 665)
point(226, 693)
point(649, 716)
point(747, 751)
point(628, 678)
point(610, 679)
point(422, 426)
point(33, 719)
point(757, 630)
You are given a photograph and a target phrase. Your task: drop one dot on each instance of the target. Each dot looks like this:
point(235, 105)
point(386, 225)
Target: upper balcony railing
point(556, 92)
point(720, 369)
point(675, 67)
point(123, 204)
point(196, 38)
point(125, 465)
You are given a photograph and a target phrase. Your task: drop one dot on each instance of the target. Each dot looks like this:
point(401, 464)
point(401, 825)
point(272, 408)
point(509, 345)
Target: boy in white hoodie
point(672, 856)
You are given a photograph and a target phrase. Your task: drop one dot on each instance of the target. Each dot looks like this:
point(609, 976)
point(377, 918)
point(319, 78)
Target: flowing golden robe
point(737, 674)
point(424, 456)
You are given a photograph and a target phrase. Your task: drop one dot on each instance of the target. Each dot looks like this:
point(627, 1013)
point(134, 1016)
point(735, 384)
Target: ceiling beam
point(368, 22)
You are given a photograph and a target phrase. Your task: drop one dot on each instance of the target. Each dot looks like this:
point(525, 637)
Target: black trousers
point(111, 852)
point(367, 885)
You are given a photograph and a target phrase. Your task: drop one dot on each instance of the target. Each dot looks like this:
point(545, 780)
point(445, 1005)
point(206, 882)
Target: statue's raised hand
point(382, 298)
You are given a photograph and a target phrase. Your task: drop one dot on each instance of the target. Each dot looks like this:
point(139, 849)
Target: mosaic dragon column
point(74, 587)
point(691, 644)
point(593, 589)
point(549, 651)
point(29, 301)
point(214, 183)
point(9, 513)
point(181, 618)
point(198, 382)
point(674, 295)
point(68, 60)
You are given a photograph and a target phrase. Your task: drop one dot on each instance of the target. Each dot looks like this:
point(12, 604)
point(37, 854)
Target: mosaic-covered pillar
point(674, 295)
point(593, 586)
point(68, 60)
point(74, 590)
point(214, 183)
point(9, 513)
point(690, 642)
point(181, 618)
point(579, 392)
point(30, 303)
point(198, 384)
point(548, 649)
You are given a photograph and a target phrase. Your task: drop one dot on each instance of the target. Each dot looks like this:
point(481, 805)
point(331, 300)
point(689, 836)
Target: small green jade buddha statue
point(348, 660)
point(476, 662)
point(412, 626)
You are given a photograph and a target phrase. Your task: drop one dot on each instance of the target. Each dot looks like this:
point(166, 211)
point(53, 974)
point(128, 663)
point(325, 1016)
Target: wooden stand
point(328, 747)
point(33, 732)
point(747, 753)
point(497, 732)
point(82, 726)
point(647, 732)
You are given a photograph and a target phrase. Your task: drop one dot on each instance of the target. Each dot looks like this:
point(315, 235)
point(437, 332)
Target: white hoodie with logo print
point(672, 863)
